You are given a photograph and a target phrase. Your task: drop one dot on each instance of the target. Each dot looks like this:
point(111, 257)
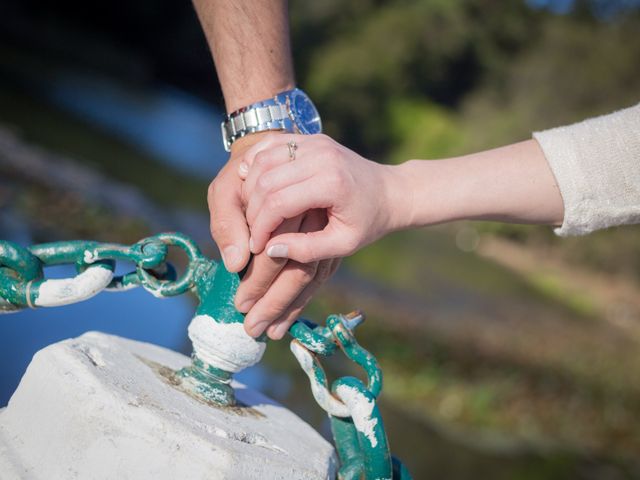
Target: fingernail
point(278, 251)
point(246, 306)
point(251, 245)
point(243, 169)
point(258, 328)
point(231, 257)
point(281, 330)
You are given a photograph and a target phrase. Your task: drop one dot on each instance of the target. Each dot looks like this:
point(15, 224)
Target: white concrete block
point(103, 407)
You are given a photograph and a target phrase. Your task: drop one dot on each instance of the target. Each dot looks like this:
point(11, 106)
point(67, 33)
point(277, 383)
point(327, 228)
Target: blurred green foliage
point(429, 78)
point(401, 79)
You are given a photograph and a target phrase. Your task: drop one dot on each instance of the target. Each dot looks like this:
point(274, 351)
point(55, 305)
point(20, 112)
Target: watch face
point(306, 117)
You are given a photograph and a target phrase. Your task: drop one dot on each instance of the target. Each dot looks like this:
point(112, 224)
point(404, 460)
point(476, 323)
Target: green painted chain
point(356, 422)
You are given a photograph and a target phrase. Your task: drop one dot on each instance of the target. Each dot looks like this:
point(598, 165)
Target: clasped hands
point(298, 217)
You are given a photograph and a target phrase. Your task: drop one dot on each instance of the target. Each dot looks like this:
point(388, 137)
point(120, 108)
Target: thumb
point(310, 247)
point(229, 230)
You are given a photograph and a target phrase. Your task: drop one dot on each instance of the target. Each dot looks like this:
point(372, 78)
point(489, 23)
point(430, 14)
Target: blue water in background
point(173, 127)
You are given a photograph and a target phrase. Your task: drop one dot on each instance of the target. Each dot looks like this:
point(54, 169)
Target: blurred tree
point(435, 50)
point(379, 70)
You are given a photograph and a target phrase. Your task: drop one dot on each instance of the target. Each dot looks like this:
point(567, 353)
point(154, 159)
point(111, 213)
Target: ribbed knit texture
point(596, 164)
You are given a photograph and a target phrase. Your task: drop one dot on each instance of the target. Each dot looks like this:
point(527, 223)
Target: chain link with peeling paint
point(356, 422)
point(23, 283)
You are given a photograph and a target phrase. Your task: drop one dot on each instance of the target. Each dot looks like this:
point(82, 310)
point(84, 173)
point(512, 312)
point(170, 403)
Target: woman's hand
point(273, 291)
point(360, 201)
point(363, 200)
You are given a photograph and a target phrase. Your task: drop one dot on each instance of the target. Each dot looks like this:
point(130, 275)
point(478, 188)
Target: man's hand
point(250, 45)
point(274, 291)
point(228, 225)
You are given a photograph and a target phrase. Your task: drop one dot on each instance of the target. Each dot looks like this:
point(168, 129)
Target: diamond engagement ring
point(292, 150)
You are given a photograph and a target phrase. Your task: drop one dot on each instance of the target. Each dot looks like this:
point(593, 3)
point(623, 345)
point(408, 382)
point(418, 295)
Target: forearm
point(249, 40)
point(509, 184)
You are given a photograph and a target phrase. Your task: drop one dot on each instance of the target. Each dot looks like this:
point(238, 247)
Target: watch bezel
point(298, 120)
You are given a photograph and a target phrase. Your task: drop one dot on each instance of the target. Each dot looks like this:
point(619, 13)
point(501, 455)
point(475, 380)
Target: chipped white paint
point(314, 344)
point(224, 345)
point(155, 292)
point(327, 402)
point(361, 408)
point(119, 287)
point(56, 292)
point(89, 256)
point(96, 407)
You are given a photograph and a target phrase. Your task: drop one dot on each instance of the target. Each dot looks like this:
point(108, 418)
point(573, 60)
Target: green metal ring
point(313, 337)
point(165, 288)
point(352, 349)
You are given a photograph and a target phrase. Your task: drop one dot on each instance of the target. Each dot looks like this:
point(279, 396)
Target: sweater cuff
point(596, 164)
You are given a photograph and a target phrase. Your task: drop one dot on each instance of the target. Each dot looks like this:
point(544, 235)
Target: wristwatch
point(291, 111)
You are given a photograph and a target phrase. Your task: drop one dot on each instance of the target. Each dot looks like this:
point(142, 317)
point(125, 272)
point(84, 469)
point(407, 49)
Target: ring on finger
point(292, 146)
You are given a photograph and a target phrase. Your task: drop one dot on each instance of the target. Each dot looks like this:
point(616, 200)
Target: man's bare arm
point(250, 44)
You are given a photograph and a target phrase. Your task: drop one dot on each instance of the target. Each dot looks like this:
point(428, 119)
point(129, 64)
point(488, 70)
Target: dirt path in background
point(615, 299)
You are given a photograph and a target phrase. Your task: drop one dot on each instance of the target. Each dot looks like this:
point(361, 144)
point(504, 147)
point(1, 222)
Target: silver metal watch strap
point(271, 114)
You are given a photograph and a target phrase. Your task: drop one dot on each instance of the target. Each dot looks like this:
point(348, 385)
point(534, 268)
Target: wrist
point(257, 94)
point(432, 192)
point(399, 196)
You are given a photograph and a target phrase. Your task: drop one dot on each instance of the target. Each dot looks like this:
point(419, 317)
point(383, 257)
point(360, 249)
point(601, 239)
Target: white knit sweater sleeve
point(596, 164)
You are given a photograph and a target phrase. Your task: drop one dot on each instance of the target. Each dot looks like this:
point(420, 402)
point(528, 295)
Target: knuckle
point(308, 254)
point(264, 183)
point(306, 272)
point(333, 153)
point(274, 310)
point(336, 180)
point(220, 226)
point(260, 159)
point(351, 244)
point(324, 272)
point(253, 291)
point(268, 310)
point(218, 189)
point(274, 202)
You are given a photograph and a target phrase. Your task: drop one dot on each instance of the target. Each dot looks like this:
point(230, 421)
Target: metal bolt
point(353, 319)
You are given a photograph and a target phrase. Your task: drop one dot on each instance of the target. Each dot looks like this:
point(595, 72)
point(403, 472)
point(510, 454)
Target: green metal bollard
point(220, 345)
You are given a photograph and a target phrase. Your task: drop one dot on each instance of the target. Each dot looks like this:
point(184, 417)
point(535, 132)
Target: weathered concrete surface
point(102, 407)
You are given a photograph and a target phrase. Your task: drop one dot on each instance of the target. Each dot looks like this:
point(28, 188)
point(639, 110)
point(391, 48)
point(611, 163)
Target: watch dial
point(307, 118)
